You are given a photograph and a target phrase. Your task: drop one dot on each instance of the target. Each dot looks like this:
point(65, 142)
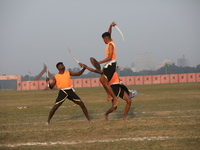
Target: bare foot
point(105, 117)
point(109, 99)
point(115, 102)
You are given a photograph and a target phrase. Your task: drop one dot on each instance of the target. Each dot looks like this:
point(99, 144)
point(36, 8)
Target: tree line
point(168, 69)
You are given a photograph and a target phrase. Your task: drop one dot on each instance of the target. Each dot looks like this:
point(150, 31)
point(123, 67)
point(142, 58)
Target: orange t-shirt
point(115, 79)
point(63, 80)
point(114, 50)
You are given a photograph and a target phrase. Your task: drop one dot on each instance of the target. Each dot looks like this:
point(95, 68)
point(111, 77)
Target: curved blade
point(120, 32)
point(73, 56)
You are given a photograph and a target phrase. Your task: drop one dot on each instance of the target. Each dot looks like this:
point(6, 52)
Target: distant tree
point(69, 69)
point(126, 72)
point(197, 69)
point(76, 69)
point(25, 78)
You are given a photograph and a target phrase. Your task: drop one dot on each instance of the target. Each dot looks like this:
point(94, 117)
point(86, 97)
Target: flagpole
point(29, 73)
point(166, 65)
point(47, 71)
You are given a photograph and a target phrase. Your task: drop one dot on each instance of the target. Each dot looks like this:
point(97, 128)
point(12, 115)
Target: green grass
point(162, 116)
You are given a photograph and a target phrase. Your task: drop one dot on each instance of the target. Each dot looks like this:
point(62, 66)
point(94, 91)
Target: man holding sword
point(62, 80)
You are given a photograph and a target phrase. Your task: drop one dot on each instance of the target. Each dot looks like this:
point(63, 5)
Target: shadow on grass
point(118, 114)
point(130, 114)
point(78, 117)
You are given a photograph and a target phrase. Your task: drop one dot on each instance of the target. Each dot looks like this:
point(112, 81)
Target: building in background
point(183, 62)
point(133, 67)
point(145, 61)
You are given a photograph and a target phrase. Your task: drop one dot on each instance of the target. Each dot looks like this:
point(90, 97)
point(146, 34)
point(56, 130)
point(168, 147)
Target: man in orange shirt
point(110, 66)
point(62, 80)
point(119, 90)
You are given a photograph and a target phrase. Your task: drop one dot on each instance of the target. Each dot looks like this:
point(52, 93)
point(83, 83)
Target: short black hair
point(106, 34)
point(59, 63)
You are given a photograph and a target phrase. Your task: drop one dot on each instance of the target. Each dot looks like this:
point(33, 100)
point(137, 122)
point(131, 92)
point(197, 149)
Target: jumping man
point(62, 80)
point(110, 66)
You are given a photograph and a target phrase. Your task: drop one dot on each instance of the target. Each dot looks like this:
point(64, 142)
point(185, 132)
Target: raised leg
point(109, 90)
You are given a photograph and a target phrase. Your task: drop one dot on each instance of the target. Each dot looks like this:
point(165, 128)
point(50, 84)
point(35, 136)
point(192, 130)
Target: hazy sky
point(33, 32)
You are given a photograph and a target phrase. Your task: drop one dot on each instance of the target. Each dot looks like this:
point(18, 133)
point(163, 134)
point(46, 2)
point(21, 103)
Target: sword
point(120, 32)
point(73, 56)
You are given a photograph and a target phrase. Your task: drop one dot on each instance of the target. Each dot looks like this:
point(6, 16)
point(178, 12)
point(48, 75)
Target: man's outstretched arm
point(90, 69)
point(77, 73)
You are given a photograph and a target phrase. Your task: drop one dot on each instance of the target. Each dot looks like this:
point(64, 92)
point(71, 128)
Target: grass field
point(162, 116)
